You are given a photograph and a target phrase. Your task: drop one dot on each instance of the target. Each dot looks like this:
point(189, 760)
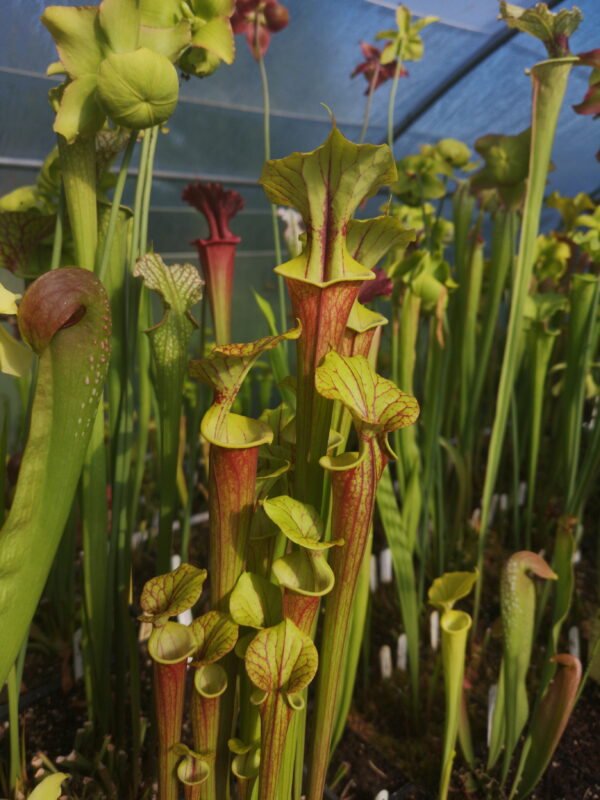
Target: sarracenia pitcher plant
point(217, 250)
point(170, 646)
point(377, 408)
point(549, 81)
point(65, 319)
point(233, 458)
point(455, 625)
point(280, 536)
point(120, 86)
point(325, 186)
point(509, 711)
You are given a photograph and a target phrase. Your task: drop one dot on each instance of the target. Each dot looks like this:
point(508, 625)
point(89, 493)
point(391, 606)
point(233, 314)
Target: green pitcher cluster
point(269, 531)
point(292, 493)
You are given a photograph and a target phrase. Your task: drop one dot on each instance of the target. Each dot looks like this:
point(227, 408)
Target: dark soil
point(385, 749)
point(382, 748)
point(367, 759)
point(377, 761)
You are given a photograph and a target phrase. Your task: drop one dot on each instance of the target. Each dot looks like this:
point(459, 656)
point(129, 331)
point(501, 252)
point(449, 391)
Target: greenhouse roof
point(471, 81)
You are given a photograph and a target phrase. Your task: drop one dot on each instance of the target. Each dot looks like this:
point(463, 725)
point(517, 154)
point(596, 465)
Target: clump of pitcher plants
point(252, 679)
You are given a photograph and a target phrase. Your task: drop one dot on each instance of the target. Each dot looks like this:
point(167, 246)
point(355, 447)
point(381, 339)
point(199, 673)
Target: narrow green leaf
point(404, 571)
point(267, 311)
point(550, 721)
point(277, 358)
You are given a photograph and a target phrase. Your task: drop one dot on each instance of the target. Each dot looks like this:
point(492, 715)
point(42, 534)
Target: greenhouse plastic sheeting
point(216, 132)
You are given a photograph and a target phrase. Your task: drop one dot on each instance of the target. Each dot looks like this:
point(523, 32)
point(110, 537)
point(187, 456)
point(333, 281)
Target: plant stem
point(392, 103)
point(78, 167)
point(275, 714)
point(12, 684)
point(541, 345)
point(502, 254)
point(153, 134)
point(275, 221)
point(104, 256)
point(549, 84)
point(353, 499)
point(365, 125)
point(358, 625)
point(581, 343)
point(169, 688)
point(454, 626)
point(122, 494)
point(194, 439)
point(232, 479)
point(232, 476)
point(468, 360)
point(58, 230)
point(205, 726)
